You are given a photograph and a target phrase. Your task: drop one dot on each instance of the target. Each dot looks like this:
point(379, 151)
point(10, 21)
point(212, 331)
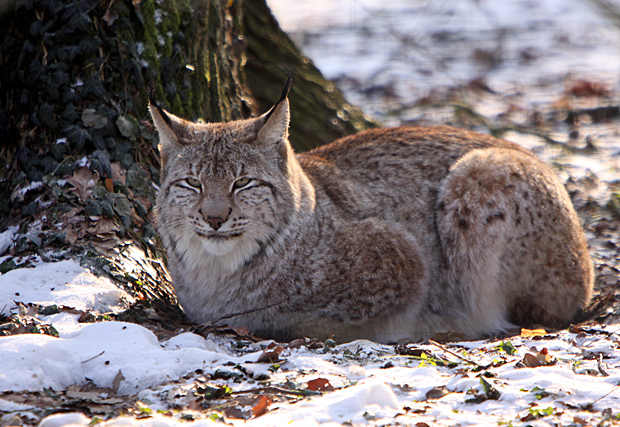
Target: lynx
point(390, 234)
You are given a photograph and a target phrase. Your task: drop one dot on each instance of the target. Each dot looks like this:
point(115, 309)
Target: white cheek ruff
point(219, 247)
point(228, 255)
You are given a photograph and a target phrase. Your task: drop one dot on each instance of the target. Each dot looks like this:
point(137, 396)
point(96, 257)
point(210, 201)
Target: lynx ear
point(274, 123)
point(174, 132)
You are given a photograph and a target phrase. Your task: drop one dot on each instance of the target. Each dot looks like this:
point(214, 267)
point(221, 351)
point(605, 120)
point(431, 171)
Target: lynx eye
point(240, 183)
point(193, 182)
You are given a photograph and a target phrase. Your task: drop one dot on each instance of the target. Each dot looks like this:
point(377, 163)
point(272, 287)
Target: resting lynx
point(388, 234)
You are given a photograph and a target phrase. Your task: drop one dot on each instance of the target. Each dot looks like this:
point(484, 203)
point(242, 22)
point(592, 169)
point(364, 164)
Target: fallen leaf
point(235, 412)
point(110, 16)
point(211, 392)
point(579, 420)
point(507, 347)
point(261, 407)
point(491, 392)
point(128, 126)
point(531, 361)
point(71, 235)
point(297, 343)
point(90, 118)
point(118, 173)
point(83, 180)
point(532, 333)
point(436, 393)
point(270, 355)
point(241, 331)
point(116, 382)
point(104, 228)
point(320, 384)
point(541, 358)
point(535, 413)
point(585, 88)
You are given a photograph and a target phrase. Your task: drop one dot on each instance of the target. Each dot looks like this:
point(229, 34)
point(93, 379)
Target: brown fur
point(387, 234)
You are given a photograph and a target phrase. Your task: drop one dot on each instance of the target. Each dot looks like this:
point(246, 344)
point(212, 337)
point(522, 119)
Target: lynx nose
point(215, 223)
point(215, 215)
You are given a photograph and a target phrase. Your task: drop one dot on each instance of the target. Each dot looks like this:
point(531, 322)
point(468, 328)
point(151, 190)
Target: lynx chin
point(389, 234)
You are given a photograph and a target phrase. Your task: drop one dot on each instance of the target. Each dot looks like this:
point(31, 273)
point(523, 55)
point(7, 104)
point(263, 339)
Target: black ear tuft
point(151, 92)
point(285, 90)
point(154, 105)
point(287, 87)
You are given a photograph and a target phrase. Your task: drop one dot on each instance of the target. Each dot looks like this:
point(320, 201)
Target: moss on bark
point(73, 111)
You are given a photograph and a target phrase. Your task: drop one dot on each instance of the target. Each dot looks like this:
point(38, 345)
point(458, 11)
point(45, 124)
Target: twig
point(601, 365)
point(498, 131)
point(277, 390)
point(435, 343)
point(606, 394)
point(94, 357)
point(241, 313)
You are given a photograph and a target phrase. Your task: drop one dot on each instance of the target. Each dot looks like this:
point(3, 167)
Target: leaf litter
point(419, 385)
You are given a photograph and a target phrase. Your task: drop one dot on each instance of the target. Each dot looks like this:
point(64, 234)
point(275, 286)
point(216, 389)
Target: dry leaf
point(542, 358)
point(71, 235)
point(580, 421)
point(83, 180)
point(532, 333)
point(116, 382)
point(75, 392)
point(235, 412)
point(585, 88)
point(531, 361)
point(261, 407)
point(320, 384)
point(144, 201)
point(297, 343)
point(109, 185)
point(436, 393)
point(104, 228)
point(270, 355)
point(241, 331)
point(118, 173)
point(110, 16)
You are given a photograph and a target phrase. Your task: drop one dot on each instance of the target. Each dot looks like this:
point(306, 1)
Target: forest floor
point(542, 74)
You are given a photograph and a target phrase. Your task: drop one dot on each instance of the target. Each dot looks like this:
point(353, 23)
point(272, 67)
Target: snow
point(98, 352)
point(6, 239)
point(367, 390)
point(63, 283)
point(376, 50)
point(374, 385)
point(393, 58)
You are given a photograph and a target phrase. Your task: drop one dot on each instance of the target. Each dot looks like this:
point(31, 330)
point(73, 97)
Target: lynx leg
point(513, 243)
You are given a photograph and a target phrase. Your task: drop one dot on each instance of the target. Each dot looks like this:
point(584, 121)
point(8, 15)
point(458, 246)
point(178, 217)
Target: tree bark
point(80, 154)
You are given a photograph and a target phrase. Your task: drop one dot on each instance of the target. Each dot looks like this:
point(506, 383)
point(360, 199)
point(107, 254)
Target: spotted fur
point(388, 234)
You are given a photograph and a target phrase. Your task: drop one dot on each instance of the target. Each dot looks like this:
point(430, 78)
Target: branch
point(241, 313)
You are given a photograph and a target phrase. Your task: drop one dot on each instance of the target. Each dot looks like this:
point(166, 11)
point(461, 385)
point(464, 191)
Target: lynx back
point(388, 234)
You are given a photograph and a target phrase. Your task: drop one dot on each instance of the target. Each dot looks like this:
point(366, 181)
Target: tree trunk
point(78, 146)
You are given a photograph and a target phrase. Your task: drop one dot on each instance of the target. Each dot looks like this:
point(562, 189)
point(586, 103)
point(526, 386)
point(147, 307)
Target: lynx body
point(388, 234)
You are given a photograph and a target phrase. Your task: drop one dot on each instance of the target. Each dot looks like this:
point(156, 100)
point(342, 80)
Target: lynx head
point(227, 188)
